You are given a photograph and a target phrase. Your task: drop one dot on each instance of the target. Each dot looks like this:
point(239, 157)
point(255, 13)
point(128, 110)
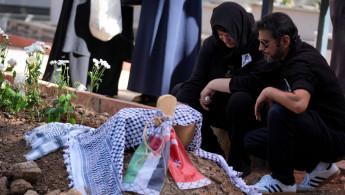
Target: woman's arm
point(221, 85)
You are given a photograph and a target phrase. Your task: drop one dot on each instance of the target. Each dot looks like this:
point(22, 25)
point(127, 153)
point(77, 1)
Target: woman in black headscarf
point(231, 56)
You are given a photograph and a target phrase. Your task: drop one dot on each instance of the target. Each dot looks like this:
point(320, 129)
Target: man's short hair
point(279, 24)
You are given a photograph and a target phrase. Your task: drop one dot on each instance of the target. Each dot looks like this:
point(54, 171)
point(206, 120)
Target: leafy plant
point(4, 45)
point(286, 2)
point(63, 105)
point(317, 3)
point(12, 98)
point(33, 65)
point(96, 78)
point(25, 93)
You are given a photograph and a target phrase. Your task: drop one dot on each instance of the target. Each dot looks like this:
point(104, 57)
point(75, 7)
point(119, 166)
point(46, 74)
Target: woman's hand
point(221, 85)
point(206, 96)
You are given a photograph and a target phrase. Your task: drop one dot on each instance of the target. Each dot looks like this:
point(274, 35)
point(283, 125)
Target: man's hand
point(261, 101)
point(296, 101)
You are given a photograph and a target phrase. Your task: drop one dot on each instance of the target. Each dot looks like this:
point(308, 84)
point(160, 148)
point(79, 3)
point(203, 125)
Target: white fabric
point(105, 19)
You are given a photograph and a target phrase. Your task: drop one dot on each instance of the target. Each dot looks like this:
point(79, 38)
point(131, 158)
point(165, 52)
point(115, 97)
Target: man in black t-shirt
point(306, 120)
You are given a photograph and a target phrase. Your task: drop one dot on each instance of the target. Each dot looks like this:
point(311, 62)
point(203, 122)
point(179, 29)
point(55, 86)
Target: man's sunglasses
point(266, 44)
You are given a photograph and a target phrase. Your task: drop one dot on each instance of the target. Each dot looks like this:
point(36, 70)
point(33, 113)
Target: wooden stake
point(166, 103)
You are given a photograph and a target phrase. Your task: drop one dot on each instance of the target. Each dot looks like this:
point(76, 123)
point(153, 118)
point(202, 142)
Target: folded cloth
point(51, 137)
point(94, 158)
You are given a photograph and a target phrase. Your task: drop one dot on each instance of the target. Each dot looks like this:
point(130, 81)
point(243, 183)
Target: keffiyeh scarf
point(94, 157)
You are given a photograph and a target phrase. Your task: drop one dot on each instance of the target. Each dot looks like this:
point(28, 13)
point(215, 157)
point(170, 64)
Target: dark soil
point(12, 150)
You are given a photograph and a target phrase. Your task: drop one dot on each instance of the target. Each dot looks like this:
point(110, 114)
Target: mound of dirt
point(55, 177)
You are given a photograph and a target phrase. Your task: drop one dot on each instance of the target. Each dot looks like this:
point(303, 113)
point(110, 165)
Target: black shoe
point(149, 100)
point(244, 174)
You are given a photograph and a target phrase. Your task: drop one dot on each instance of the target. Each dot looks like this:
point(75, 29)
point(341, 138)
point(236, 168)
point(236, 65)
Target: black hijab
point(238, 23)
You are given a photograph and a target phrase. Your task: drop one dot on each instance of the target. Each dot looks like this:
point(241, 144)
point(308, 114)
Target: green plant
point(63, 105)
point(287, 2)
point(19, 99)
point(317, 3)
point(33, 65)
point(12, 98)
point(4, 44)
point(96, 78)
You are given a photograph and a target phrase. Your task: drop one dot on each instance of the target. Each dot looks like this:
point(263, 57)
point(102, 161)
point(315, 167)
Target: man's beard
point(271, 58)
point(268, 58)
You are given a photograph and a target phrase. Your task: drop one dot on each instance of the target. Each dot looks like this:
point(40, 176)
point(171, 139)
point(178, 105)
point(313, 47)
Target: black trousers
point(235, 113)
point(240, 120)
point(294, 142)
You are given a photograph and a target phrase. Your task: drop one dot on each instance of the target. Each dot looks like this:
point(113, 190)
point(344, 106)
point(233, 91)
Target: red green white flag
point(148, 167)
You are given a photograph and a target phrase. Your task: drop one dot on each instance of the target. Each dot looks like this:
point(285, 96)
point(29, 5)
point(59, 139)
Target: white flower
point(95, 61)
point(4, 84)
point(53, 62)
point(80, 87)
point(36, 47)
point(59, 69)
point(6, 36)
point(22, 92)
point(12, 62)
point(46, 47)
point(105, 64)
point(101, 62)
point(1, 67)
point(1, 31)
point(61, 62)
point(19, 81)
point(31, 60)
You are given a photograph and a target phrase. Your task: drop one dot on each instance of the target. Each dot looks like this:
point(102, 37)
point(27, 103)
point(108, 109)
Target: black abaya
point(74, 42)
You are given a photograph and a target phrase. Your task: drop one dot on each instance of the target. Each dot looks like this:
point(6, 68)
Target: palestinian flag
point(148, 167)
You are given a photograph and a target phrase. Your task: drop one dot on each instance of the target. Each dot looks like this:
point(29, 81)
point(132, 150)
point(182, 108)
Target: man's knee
point(255, 142)
point(278, 111)
point(249, 143)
